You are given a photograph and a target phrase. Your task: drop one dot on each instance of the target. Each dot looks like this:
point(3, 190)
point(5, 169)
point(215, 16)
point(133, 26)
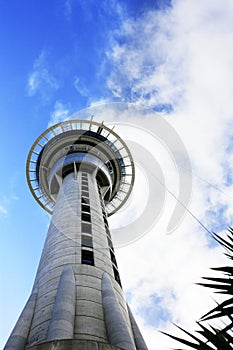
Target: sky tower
point(81, 172)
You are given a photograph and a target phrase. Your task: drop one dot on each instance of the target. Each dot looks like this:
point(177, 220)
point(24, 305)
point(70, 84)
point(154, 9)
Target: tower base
point(71, 344)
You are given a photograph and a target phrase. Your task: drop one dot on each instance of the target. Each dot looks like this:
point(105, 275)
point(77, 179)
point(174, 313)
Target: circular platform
point(80, 141)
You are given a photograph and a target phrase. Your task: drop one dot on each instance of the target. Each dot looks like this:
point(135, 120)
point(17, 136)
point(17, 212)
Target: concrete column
point(139, 341)
point(62, 322)
point(19, 335)
point(117, 328)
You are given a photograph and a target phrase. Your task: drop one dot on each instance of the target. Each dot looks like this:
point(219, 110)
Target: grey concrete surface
point(74, 305)
point(139, 341)
point(19, 335)
point(62, 322)
point(117, 329)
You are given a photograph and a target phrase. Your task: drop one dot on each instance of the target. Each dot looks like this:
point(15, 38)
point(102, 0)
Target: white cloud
point(159, 48)
point(40, 79)
point(166, 267)
point(183, 57)
point(59, 114)
point(68, 9)
point(3, 210)
point(80, 87)
point(6, 201)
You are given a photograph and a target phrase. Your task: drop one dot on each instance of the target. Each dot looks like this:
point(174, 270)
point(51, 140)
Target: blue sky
point(173, 57)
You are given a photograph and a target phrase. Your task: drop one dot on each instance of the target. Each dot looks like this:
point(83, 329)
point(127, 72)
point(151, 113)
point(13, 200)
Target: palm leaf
point(215, 338)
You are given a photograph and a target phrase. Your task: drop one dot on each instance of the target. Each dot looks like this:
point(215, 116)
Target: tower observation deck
point(81, 172)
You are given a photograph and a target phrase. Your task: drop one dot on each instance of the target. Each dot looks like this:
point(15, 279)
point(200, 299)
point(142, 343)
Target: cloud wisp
point(40, 80)
point(3, 210)
point(59, 114)
point(80, 87)
point(180, 59)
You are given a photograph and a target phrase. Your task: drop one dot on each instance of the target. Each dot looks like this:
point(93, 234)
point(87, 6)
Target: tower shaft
point(71, 295)
point(76, 237)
